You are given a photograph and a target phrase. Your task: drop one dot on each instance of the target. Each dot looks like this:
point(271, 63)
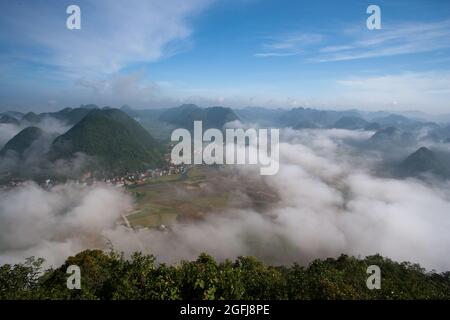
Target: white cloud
point(108, 56)
point(56, 223)
point(276, 54)
point(288, 44)
point(7, 131)
point(361, 43)
point(427, 91)
point(112, 35)
point(396, 39)
point(330, 203)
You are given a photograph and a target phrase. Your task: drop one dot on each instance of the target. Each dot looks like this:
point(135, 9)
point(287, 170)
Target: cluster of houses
point(136, 178)
point(129, 179)
point(139, 177)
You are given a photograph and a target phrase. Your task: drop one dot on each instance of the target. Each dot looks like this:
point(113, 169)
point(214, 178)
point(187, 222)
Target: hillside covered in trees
point(118, 142)
point(110, 276)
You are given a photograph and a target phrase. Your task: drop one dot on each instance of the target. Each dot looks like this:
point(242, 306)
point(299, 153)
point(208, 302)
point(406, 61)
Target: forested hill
point(110, 276)
point(117, 140)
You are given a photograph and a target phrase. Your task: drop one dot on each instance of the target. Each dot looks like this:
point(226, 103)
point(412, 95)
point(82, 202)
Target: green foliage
point(20, 281)
point(111, 276)
point(261, 281)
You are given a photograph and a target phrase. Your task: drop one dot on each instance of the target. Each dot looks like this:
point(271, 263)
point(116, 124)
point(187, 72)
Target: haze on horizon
point(153, 54)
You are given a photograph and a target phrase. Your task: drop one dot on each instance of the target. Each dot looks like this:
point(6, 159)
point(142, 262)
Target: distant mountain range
point(6, 118)
point(185, 115)
point(355, 123)
point(297, 118)
point(124, 140)
point(69, 116)
point(216, 117)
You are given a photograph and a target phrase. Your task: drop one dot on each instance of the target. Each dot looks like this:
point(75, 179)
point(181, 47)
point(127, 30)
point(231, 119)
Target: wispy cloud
point(277, 54)
point(427, 91)
point(288, 44)
point(112, 35)
point(395, 40)
point(361, 43)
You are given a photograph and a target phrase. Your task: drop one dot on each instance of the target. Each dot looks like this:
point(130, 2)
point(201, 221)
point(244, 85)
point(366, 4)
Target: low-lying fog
point(332, 200)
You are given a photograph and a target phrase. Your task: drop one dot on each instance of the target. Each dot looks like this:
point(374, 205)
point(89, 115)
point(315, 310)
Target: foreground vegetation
point(110, 276)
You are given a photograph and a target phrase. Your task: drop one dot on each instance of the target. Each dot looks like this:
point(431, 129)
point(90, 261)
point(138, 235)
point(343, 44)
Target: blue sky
point(237, 53)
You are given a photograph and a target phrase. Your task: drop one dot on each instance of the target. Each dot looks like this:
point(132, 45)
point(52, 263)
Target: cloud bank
point(54, 224)
point(331, 202)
